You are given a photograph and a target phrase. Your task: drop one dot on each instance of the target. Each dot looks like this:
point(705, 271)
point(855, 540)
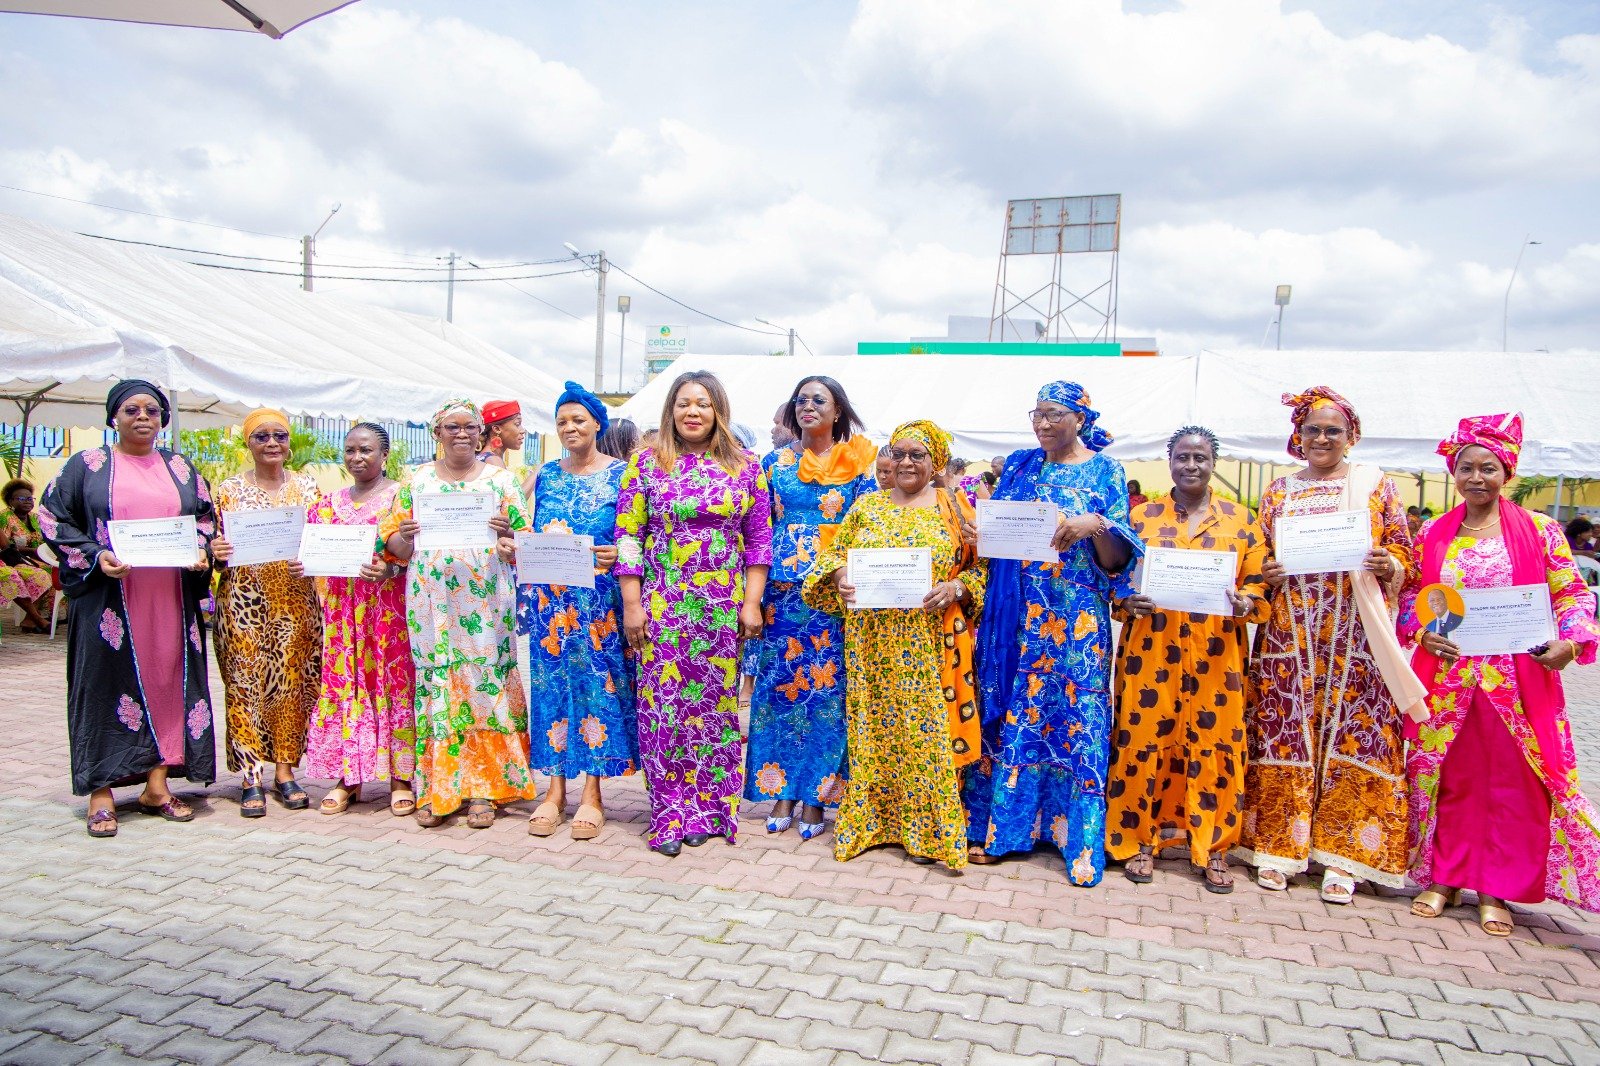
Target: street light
point(599, 265)
point(623, 304)
point(774, 325)
point(308, 248)
point(1505, 313)
point(1281, 298)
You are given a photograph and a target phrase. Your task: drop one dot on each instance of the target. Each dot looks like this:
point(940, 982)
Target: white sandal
point(1338, 887)
point(1272, 880)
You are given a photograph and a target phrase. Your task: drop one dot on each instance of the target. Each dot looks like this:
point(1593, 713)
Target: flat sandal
point(1434, 902)
point(480, 814)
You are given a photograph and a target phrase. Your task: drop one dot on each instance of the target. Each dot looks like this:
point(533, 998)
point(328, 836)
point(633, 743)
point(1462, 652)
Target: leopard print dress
point(269, 641)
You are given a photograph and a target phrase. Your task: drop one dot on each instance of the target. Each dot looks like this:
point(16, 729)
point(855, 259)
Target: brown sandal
point(978, 857)
point(426, 818)
point(588, 822)
point(103, 823)
point(542, 824)
point(1219, 878)
point(402, 801)
point(1141, 869)
point(480, 814)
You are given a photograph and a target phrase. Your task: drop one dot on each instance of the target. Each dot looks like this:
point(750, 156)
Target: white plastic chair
point(53, 563)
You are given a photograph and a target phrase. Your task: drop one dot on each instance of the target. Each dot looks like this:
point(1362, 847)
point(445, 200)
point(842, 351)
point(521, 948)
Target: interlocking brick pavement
point(304, 938)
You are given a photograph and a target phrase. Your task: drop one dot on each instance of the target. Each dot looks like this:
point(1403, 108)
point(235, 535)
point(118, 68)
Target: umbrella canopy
point(271, 17)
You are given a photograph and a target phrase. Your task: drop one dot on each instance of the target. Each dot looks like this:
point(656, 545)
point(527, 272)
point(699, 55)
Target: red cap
point(500, 410)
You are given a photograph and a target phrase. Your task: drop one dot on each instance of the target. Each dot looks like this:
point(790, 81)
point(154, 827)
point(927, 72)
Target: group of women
point(997, 717)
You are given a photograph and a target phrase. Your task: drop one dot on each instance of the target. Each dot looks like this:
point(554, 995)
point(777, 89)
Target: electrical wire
point(322, 265)
point(146, 214)
point(526, 293)
point(392, 281)
point(695, 310)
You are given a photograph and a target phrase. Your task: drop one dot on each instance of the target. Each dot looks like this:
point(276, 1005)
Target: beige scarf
point(1409, 693)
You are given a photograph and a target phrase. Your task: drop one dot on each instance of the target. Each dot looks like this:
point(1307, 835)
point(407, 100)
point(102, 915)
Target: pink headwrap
point(1501, 434)
point(1306, 402)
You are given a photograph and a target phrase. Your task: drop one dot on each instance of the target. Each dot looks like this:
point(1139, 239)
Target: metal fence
point(417, 436)
point(43, 441)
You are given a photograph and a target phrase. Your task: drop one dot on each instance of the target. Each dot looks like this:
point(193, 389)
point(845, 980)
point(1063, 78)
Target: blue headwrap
point(1071, 395)
point(593, 404)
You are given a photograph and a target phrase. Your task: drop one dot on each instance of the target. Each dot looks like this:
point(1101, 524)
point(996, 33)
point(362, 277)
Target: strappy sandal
point(172, 809)
point(1218, 877)
point(1435, 900)
point(291, 795)
point(542, 824)
point(1494, 914)
point(102, 823)
point(252, 802)
point(338, 799)
point(480, 814)
point(588, 822)
point(1272, 880)
point(978, 857)
point(426, 819)
point(1141, 869)
point(1337, 887)
point(402, 801)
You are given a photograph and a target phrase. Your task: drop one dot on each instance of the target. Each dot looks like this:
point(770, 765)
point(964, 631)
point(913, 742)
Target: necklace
point(1492, 522)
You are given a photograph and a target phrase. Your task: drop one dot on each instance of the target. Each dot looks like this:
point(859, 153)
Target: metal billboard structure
point(1082, 306)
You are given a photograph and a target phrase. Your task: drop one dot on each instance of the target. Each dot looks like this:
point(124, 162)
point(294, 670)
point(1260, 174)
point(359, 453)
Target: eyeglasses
point(470, 430)
point(901, 455)
point(1319, 432)
point(1049, 418)
point(264, 436)
point(811, 401)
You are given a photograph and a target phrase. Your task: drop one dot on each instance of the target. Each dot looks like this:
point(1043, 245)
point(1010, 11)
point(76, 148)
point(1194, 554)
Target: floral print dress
point(471, 708)
point(797, 720)
point(22, 581)
point(364, 727)
point(689, 534)
point(580, 677)
point(903, 784)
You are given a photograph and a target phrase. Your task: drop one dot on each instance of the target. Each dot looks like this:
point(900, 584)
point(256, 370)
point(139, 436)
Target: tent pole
point(177, 441)
point(22, 444)
point(1561, 485)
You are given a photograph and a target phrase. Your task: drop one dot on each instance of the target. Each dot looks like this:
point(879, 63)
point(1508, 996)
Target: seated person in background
point(1580, 536)
point(1136, 494)
point(24, 577)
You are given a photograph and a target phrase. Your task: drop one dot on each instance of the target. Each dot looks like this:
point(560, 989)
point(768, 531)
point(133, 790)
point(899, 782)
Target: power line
point(146, 214)
point(393, 281)
point(806, 346)
point(525, 292)
point(320, 265)
point(695, 310)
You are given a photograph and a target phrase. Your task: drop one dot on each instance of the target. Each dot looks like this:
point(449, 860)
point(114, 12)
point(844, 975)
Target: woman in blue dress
point(1044, 649)
point(797, 720)
point(581, 684)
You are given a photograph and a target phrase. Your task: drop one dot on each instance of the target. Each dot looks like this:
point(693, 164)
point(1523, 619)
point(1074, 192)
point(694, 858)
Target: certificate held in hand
point(555, 559)
point(155, 541)
point(454, 520)
point(1017, 529)
point(890, 577)
point(269, 535)
point(1332, 543)
point(1505, 621)
point(336, 551)
point(1176, 579)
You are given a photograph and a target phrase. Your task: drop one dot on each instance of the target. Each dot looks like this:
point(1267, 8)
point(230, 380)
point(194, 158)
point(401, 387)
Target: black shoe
point(921, 860)
point(291, 795)
point(670, 848)
point(694, 840)
point(250, 794)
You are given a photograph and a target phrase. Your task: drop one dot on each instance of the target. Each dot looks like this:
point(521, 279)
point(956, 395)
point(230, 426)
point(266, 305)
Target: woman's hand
point(375, 569)
point(501, 523)
point(402, 543)
point(1272, 573)
point(1079, 527)
point(1139, 606)
point(111, 566)
point(506, 548)
point(1557, 654)
point(633, 624)
point(221, 549)
point(1442, 648)
point(1241, 603)
point(942, 595)
point(969, 532)
point(605, 557)
point(1381, 565)
point(751, 621)
point(841, 581)
point(297, 568)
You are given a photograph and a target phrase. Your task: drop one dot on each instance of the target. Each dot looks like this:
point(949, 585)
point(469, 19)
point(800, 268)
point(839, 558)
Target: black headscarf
point(134, 387)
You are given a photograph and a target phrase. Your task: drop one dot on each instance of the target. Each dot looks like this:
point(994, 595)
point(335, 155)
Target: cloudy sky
point(844, 168)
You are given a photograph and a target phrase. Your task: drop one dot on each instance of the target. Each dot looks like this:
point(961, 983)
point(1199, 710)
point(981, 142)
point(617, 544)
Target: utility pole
point(1281, 298)
point(308, 249)
point(450, 292)
point(600, 321)
point(1505, 314)
point(624, 305)
point(791, 342)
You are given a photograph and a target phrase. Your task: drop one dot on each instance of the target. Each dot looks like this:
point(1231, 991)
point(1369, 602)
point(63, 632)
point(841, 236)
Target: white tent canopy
point(271, 17)
point(1407, 401)
point(77, 313)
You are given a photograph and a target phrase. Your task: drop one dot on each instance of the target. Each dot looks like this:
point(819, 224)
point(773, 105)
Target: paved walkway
point(361, 938)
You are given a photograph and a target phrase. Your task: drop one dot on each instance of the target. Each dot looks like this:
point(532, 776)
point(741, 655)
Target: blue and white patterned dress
point(580, 682)
point(797, 710)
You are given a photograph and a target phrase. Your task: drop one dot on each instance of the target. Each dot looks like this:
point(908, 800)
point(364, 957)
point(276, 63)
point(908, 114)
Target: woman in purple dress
point(694, 540)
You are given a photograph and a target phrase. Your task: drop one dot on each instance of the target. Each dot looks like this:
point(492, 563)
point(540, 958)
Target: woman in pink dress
point(1495, 803)
point(364, 726)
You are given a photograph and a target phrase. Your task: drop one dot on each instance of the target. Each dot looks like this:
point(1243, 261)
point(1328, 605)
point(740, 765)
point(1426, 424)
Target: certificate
point(454, 520)
point(1195, 581)
point(337, 551)
point(1332, 543)
point(555, 559)
point(1015, 529)
point(1505, 621)
point(890, 577)
point(155, 541)
point(269, 535)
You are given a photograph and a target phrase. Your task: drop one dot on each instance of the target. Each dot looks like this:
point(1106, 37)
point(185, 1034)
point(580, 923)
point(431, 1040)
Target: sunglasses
point(811, 401)
point(900, 455)
point(277, 435)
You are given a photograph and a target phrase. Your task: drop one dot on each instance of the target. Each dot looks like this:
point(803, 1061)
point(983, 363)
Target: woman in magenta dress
point(138, 704)
point(1495, 802)
point(694, 540)
point(364, 727)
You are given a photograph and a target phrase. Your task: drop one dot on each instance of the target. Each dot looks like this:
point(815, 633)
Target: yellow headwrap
point(264, 416)
point(936, 440)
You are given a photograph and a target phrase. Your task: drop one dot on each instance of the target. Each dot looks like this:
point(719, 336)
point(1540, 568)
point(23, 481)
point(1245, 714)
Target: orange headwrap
point(264, 416)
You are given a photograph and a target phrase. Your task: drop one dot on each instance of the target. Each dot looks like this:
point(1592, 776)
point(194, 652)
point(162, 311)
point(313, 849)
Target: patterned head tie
point(930, 436)
point(1501, 434)
point(1318, 396)
point(1071, 395)
point(450, 407)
